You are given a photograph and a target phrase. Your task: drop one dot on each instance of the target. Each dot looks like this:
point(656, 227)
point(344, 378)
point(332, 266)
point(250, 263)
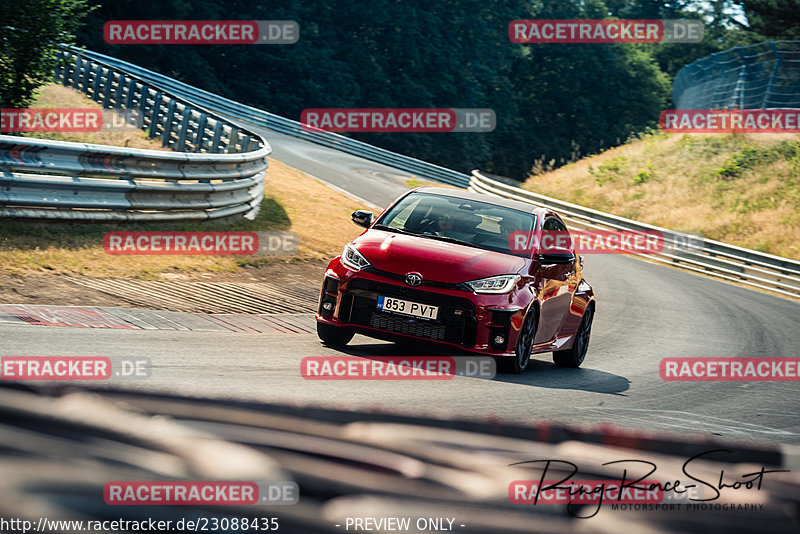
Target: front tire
point(334, 336)
point(574, 357)
point(522, 352)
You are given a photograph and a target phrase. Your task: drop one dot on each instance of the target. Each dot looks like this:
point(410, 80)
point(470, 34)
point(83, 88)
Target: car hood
point(435, 260)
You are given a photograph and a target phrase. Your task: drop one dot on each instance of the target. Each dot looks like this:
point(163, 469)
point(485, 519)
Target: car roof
point(480, 197)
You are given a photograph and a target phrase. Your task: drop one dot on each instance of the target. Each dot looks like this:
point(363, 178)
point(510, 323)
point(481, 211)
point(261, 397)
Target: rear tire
point(334, 336)
point(574, 357)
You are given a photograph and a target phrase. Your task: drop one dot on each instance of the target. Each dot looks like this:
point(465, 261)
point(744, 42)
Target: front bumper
point(466, 320)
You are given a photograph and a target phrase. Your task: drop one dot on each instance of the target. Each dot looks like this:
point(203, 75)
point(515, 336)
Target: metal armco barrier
point(214, 169)
point(741, 265)
point(264, 119)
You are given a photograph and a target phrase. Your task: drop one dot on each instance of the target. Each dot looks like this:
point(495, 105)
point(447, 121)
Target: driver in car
point(445, 225)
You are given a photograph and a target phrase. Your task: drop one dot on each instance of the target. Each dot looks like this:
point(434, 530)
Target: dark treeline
point(553, 102)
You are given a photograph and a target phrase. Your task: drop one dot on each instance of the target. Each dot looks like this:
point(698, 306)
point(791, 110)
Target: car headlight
point(352, 258)
point(494, 284)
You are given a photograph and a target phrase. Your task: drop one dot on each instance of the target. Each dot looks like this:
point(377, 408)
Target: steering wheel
point(429, 226)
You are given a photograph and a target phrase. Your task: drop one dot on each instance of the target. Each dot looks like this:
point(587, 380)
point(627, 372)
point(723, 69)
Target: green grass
point(608, 170)
point(752, 156)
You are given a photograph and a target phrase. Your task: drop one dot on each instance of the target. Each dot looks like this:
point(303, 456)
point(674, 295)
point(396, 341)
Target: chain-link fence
point(760, 76)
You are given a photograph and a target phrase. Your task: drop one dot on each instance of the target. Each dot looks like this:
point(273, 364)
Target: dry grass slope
point(740, 189)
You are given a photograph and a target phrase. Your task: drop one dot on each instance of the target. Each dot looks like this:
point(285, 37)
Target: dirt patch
point(60, 289)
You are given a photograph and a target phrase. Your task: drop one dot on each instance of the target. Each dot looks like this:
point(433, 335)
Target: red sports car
point(437, 266)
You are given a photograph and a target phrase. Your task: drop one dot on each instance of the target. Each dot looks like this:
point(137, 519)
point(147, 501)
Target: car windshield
point(478, 224)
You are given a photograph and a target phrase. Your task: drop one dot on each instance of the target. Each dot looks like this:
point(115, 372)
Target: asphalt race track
point(645, 312)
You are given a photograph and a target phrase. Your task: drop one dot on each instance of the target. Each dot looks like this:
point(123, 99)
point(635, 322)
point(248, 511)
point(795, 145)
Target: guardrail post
point(109, 80)
point(131, 93)
point(143, 101)
point(181, 143)
point(245, 142)
point(168, 123)
point(76, 72)
point(200, 133)
point(61, 73)
point(154, 116)
point(120, 88)
point(96, 83)
point(87, 70)
point(214, 148)
point(232, 140)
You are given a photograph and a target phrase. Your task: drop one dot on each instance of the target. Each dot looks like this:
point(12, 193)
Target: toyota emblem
point(413, 279)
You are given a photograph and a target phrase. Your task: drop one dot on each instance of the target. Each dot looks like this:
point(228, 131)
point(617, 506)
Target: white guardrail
point(280, 124)
point(214, 169)
point(736, 264)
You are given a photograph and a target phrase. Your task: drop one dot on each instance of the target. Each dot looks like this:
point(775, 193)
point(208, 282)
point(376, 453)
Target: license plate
point(406, 307)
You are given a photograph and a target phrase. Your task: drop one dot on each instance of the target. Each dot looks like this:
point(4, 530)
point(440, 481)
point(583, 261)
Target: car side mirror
point(362, 218)
point(556, 259)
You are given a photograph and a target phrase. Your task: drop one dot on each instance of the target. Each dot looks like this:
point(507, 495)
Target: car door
point(557, 274)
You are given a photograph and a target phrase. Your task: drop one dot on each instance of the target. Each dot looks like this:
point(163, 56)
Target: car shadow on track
point(392, 349)
point(546, 375)
point(539, 373)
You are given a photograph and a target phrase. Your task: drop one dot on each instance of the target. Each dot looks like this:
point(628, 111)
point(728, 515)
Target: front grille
point(409, 326)
point(456, 322)
point(402, 278)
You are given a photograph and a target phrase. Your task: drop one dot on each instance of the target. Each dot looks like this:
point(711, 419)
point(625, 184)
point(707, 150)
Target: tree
point(30, 31)
point(773, 19)
point(551, 101)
